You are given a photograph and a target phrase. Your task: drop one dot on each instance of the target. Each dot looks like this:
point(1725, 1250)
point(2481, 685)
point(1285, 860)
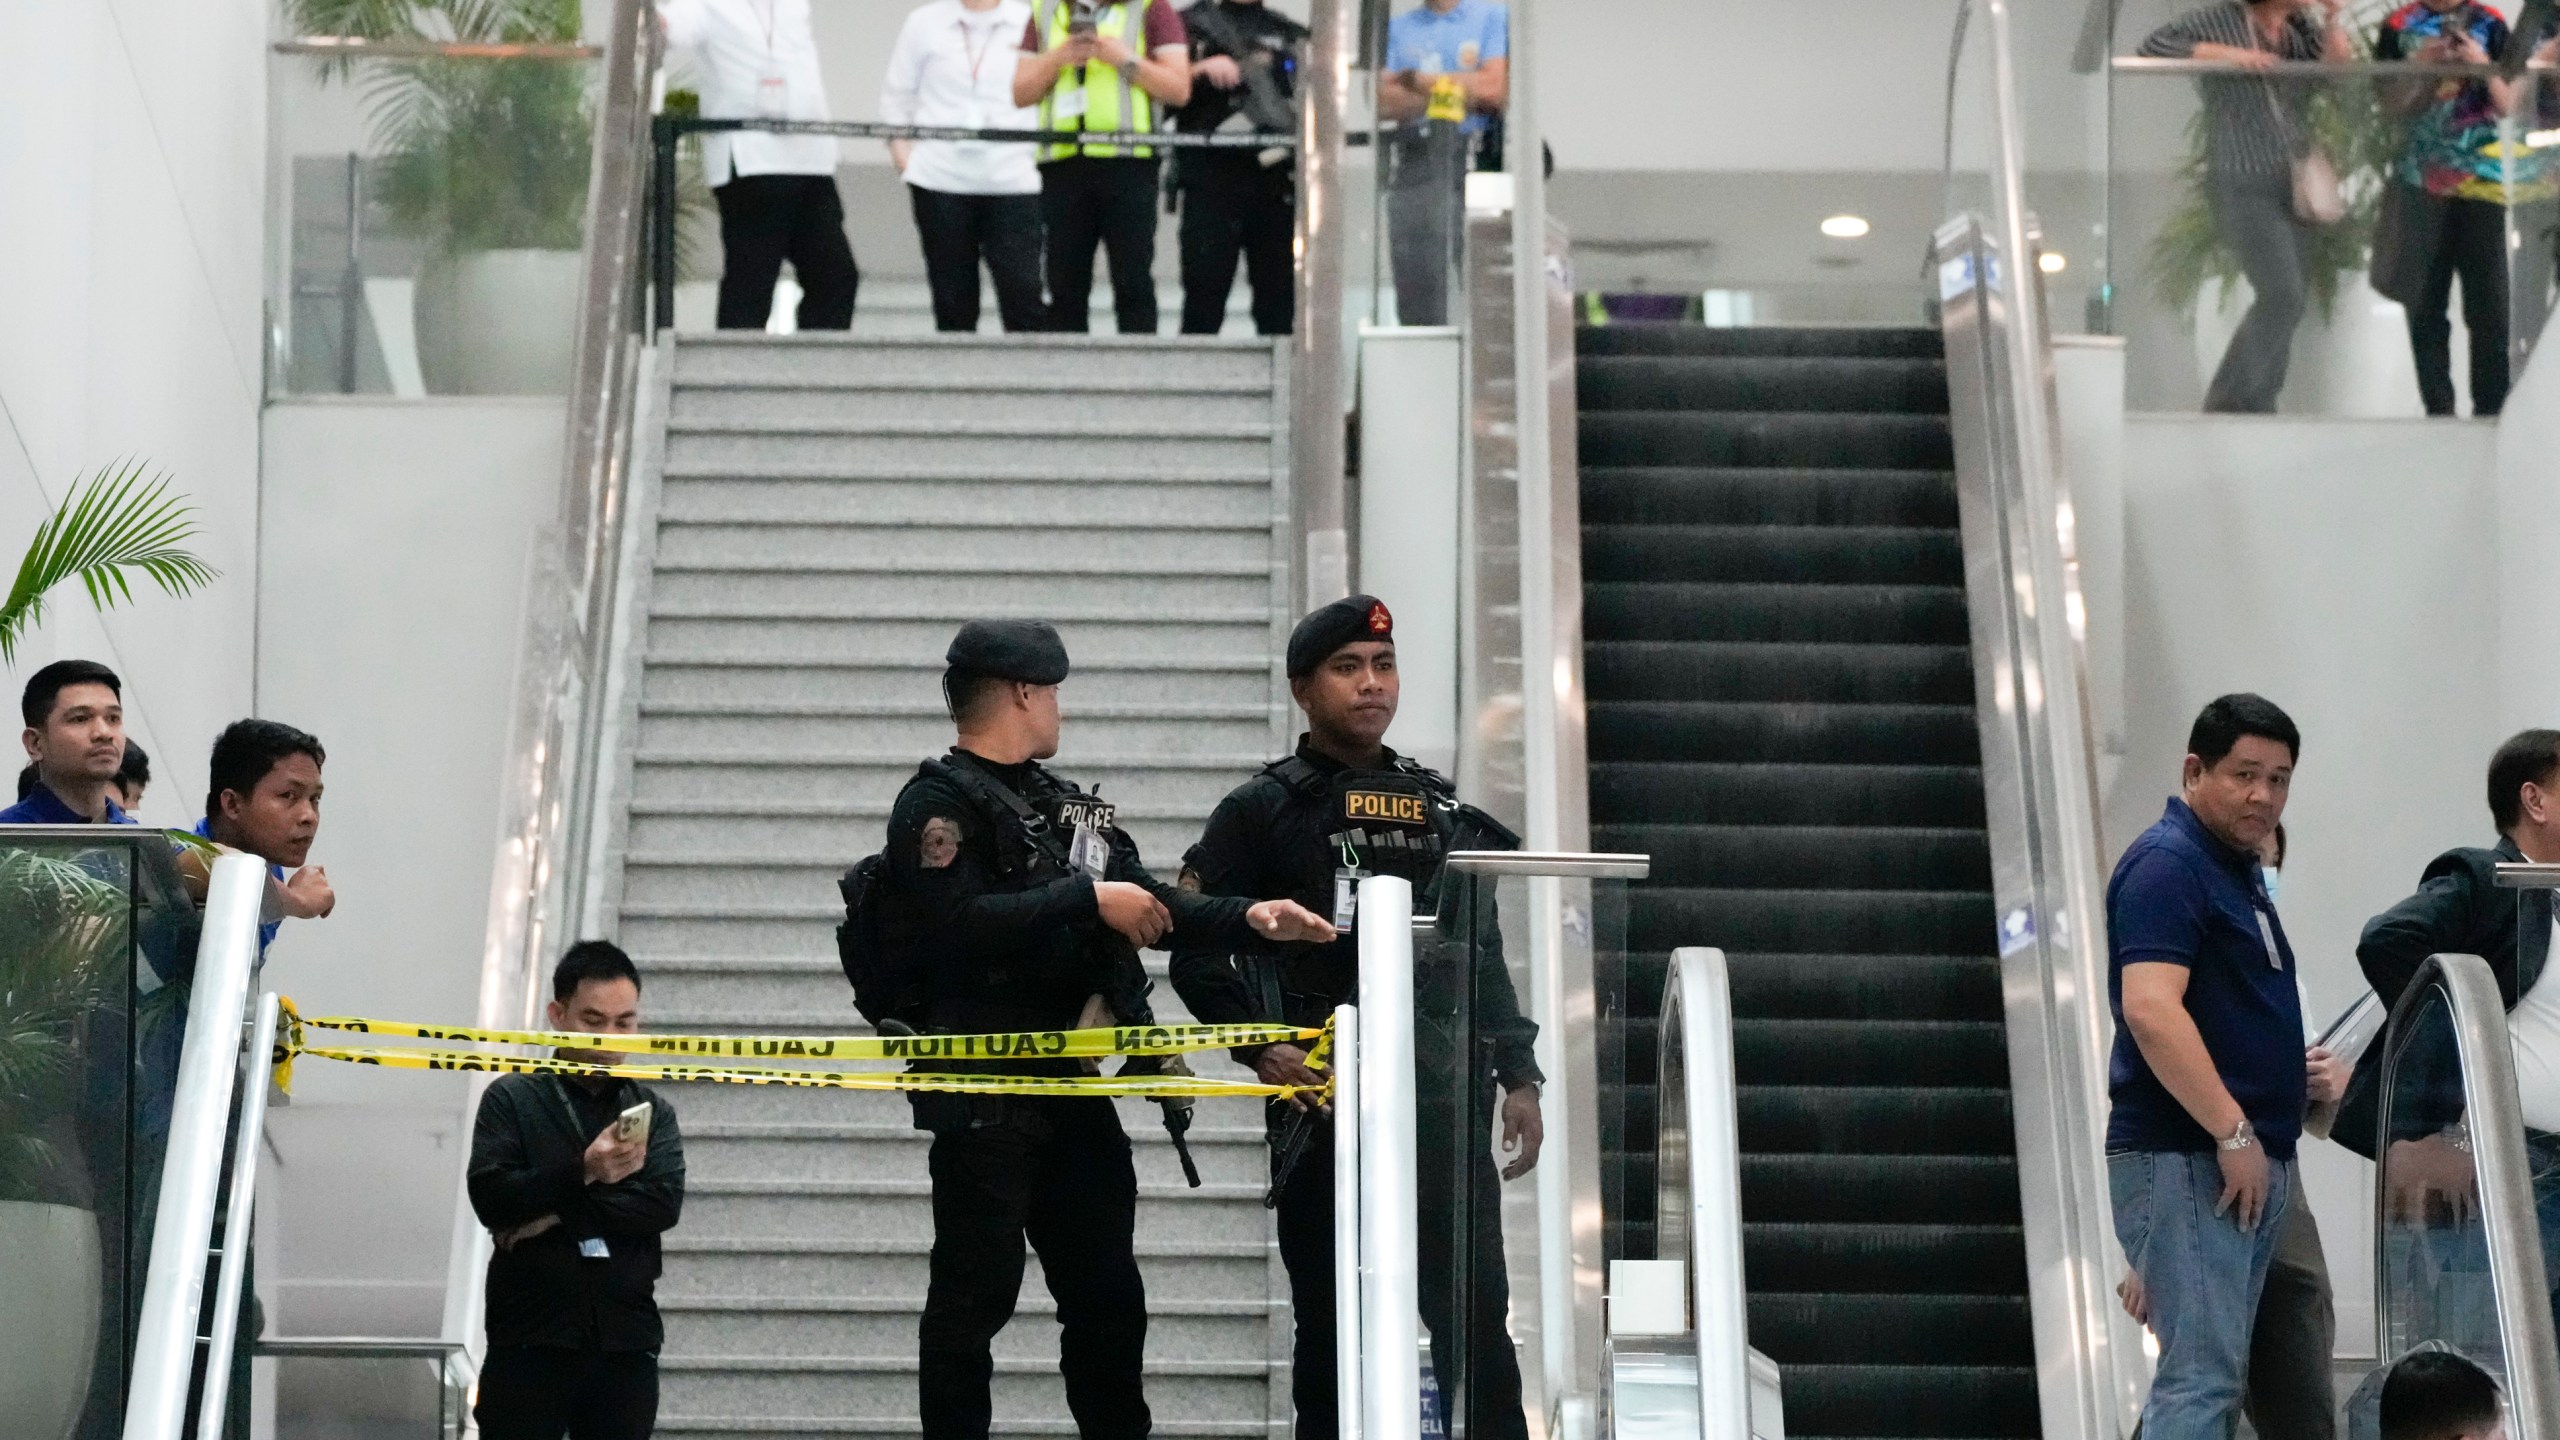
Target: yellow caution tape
point(1144, 1086)
point(1018, 1045)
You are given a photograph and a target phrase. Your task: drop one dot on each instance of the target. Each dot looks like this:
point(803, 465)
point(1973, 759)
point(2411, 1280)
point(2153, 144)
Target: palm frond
point(115, 522)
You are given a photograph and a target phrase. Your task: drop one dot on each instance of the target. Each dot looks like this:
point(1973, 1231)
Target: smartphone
point(632, 1125)
point(1081, 24)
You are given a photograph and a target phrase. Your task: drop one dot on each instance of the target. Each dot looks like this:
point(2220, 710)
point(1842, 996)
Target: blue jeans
point(2202, 1274)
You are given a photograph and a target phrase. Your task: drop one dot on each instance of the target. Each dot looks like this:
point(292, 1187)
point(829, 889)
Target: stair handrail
point(1698, 1180)
point(1389, 1332)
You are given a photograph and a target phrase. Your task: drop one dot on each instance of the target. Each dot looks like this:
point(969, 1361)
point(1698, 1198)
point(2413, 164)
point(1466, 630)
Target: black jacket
point(2458, 909)
point(1272, 837)
point(528, 1160)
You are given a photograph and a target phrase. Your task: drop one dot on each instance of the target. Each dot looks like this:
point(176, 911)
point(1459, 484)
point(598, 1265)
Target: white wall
point(2347, 570)
point(132, 137)
point(396, 537)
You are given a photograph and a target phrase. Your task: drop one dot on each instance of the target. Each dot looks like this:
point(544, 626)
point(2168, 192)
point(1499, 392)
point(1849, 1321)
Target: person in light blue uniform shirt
point(74, 739)
point(1447, 74)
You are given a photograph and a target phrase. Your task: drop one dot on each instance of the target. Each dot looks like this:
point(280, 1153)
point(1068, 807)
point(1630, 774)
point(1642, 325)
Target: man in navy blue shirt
point(74, 711)
point(2208, 1077)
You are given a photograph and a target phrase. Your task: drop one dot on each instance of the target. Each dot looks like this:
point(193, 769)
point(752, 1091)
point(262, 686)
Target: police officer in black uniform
point(1310, 826)
point(1025, 904)
point(1244, 77)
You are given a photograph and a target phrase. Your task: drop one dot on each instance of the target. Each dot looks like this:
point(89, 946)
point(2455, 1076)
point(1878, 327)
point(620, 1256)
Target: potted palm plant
point(484, 160)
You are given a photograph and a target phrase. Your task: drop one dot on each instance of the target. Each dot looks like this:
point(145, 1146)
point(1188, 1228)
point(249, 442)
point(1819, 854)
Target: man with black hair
point(2209, 1079)
point(576, 1190)
point(74, 739)
point(133, 777)
point(264, 800)
point(2438, 1395)
point(1025, 903)
point(1309, 826)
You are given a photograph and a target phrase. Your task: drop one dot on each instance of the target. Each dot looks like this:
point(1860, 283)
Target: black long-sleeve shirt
point(1009, 941)
point(528, 1160)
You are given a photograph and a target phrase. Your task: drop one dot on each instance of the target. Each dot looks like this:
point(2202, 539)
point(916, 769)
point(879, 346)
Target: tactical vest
point(1111, 100)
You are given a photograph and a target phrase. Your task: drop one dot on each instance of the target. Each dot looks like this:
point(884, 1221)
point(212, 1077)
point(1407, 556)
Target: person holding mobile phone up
point(576, 1178)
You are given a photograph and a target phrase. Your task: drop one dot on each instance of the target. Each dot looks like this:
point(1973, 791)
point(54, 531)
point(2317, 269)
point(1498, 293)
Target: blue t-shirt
point(266, 929)
point(1462, 38)
point(2182, 897)
point(43, 807)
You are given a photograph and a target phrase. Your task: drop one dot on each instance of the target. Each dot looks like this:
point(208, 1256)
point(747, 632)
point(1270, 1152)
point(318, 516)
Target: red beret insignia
point(1380, 622)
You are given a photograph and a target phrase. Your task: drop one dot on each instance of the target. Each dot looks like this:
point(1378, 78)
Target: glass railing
point(2410, 272)
point(2461, 1254)
point(428, 215)
point(97, 953)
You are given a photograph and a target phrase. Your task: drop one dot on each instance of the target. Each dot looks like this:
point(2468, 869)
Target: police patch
point(1086, 812)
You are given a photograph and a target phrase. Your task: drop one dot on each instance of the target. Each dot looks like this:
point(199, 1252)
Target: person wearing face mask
point(2446, 205)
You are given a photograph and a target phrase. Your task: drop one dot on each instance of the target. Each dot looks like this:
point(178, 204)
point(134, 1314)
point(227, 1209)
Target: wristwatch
point(2242, 1138)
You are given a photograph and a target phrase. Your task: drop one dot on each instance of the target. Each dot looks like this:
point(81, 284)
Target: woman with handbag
point(2268, 182)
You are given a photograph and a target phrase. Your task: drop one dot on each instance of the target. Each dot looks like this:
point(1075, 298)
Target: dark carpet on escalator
point(1781, 708)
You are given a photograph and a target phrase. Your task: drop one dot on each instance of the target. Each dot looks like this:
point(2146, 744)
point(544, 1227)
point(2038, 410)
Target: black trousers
point(1489, 1366)
point(1237, 207)
point(1086, 202)
point(957, 232)
point(767, 219)
point(2470, 243)
point(1058, 1174)
point(541, 1394)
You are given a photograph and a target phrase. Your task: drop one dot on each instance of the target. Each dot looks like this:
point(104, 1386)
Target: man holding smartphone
point(576, 1178)
point(1102, 68)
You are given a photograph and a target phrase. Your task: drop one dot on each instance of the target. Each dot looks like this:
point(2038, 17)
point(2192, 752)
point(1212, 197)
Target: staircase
point(1781, 714)
point(828, 510)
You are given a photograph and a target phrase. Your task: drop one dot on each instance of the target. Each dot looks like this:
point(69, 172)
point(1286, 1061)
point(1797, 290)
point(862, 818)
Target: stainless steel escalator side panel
point(2039, 798)
point(2495, 1119)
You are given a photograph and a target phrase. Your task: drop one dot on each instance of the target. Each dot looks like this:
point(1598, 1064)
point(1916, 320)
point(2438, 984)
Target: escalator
point(1782, 713)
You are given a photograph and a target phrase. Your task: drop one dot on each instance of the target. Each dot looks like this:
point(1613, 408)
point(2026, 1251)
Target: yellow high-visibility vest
point(1111, 101)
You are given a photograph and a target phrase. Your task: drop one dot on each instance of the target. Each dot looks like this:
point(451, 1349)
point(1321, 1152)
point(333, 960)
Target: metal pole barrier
point(164, 1346)
point(662, 224)
point(1317, 445)
point(1390, 1248)
point(1347, 1110)
point(238, 1220)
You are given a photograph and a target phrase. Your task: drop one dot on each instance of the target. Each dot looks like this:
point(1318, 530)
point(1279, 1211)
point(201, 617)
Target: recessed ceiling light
point(1846, 227)
point(2052, 262)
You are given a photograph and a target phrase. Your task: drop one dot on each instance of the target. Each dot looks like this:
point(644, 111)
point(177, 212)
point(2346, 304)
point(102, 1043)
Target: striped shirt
point(2252, 126)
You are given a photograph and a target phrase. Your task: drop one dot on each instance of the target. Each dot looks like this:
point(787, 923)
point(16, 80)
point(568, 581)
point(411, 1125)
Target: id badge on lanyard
point(1088, 849)
point(773, 96)
point(2267, 937)
point(1346, 896)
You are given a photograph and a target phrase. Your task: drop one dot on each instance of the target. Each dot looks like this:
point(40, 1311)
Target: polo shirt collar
point(2238, 862)
point(47, 808)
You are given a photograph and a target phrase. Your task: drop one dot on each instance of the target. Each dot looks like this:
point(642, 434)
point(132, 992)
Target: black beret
point(1025, 650)
point(1328, 628)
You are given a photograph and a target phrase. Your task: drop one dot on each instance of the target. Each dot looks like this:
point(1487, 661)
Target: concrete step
point(755, 1325)
point(710, 727)
point(992, 544)
point(901, 1209)
point(831, 841)
point(782, 1387)
point(1098, 449)
point(1036, 500)
point(752, 783)
point(846, 1153)
point(1097, 365)
point(786, 591)
point(911, 638)
point(908, 1427)
point(673, 686)
point(850, 1268)
point(900, 400)
point(870, 1114)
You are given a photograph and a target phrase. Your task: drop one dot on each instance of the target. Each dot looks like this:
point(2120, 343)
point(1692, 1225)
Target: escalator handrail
point(191, 1174)
point(1704, 1179)
point(2495, 1118)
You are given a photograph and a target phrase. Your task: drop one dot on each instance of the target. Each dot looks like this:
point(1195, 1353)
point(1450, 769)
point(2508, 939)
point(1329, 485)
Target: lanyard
point(770, 13)
point(977, 55)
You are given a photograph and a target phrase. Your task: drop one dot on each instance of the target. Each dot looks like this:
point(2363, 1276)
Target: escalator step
point(1766, 495)
point(1781, 674)
point(1891, 442)
point(1910, 1402)
point(1927, 921)
point(1911, 1053)
point(1833, 383)
point(1857, 1120)
point(1853, 987)
point(1802, 857)
point(1772, 554)
point(1776, 614)
point(1723, 793)
point(1816, 734)
point(1820, 1329)
point(1911, 1190)
point(1665, 339)
point(1884, 1259)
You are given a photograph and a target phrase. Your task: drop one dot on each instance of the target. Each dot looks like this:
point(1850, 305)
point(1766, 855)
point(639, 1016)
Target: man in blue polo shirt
point(74, 711)
point(2208, 1077)
point(264, 800)
point(1447, 73)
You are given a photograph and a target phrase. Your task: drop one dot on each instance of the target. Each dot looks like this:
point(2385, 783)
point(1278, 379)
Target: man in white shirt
point(975, 200)
point(758, 60)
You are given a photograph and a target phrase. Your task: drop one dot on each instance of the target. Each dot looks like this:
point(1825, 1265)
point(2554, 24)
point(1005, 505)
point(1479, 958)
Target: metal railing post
point(1346, 1220)
point(164, 1347)
point(1390, 1239)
